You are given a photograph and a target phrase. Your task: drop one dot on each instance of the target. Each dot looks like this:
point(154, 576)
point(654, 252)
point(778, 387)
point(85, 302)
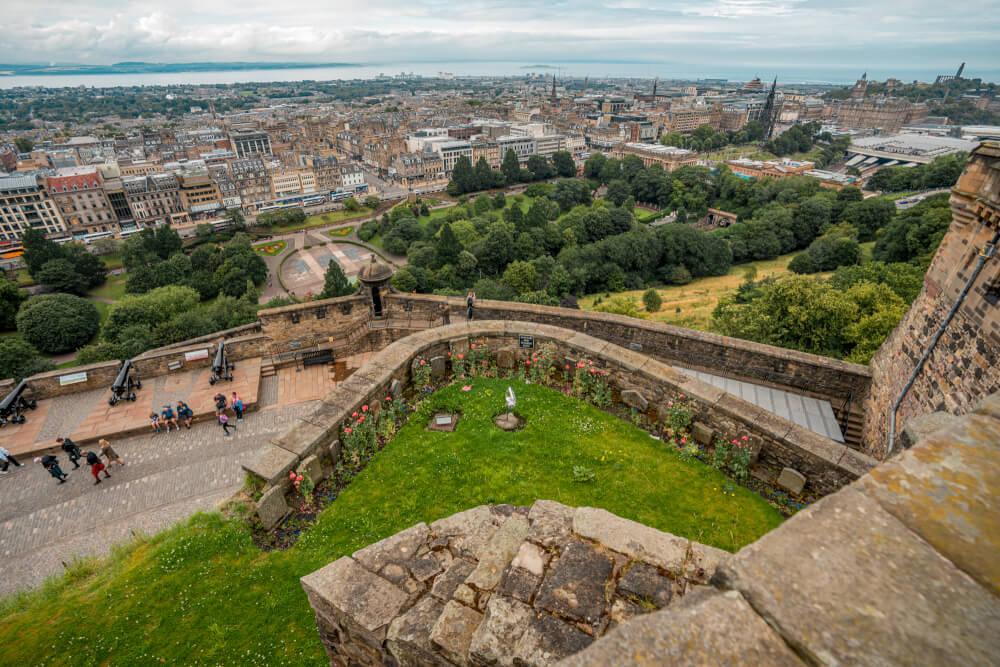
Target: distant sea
point(786, 74)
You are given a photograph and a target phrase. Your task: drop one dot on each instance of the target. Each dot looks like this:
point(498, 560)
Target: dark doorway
point(376, 302)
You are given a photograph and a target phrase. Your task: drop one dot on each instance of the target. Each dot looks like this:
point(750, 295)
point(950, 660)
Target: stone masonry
point(501, 585)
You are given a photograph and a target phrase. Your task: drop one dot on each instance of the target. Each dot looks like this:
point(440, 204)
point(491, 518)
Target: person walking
point(167, 416)
point(469, 301)
point(185, 413)
point(108, 452)
point(72, 451)
point(236, 403)
point(51, 463)
point(224, 420)
point(6, 458)
point(96, 467)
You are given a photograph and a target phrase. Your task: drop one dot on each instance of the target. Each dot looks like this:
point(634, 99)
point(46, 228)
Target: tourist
point(154, 421)
point(6, 458)
point(220, 404)
point(224, 420)
point(72, 451)
point(167, 416)
point(469, 301)
point(236, 403)
point(96, 467)
point(185, 413)
point(108, 452)
point(51, 463)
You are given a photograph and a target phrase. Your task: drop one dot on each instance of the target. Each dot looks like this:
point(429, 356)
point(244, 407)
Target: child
point(185, 413)
point(96, 467)
point(237, 405)
point(224, 420)
point(167, 416)
point(154, 421)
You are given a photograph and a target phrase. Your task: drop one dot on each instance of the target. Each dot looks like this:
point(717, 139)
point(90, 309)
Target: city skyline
point(767, 33)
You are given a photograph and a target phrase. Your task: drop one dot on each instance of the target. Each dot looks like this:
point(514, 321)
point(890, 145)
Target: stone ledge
point(272, 464)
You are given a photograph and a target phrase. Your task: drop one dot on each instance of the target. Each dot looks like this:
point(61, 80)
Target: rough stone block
point(532, 558)
point(634, 399)
point(272, 464)
point(519, 584)
point(702, 562)
point(503, 624)
point(397, 549)
point(469, 531)
point(845, 582)
point(918, 428)
point(574, 586)
point(396, 388)
point(453, 630)
point(547, 640)
point(645, 582)
point(497, 554)
point(623, 610)
point(365, 602)
point(424, 568)
point(631, 538)
point(465, 595)
point(272, 508)
point(334, 450)
point(439, 366)
point(792, 481)
point(506, 357)
point(705, 628)
point(408, 638)
point(311, 468)
point(551, 523)
point(446, 583)
point(702, 433)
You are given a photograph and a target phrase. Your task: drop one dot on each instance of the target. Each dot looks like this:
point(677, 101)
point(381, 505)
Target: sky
point(874, 35)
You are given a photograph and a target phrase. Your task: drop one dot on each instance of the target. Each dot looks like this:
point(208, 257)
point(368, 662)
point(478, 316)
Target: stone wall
point(826, 465)
point(311, 324)
point(47, 385)
point(965, 365)
point(492, 585)
point(156, 362)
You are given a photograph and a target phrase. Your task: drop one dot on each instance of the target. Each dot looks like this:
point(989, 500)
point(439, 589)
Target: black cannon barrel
point(219, 364)
point(12, 397)
point(122, 379)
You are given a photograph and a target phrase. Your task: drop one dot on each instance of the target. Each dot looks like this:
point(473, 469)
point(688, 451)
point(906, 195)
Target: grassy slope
point(201, 593)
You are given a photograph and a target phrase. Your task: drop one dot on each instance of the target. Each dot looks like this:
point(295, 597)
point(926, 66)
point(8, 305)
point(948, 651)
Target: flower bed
point(342, 231)
point(270, 249)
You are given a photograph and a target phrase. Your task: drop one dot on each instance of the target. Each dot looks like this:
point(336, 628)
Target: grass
point(113, 288)
point(691, 305)
point(112, 260)
point(341, 231)
point(24, 278)
point(201, 592)
point(270, 249)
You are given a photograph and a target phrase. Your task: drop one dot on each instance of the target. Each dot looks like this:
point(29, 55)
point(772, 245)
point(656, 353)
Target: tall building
point(80, 197)
point(154, 199)
point(247, 143)
point(252, 180)
point(887, 114)
point(25, 204)
point(326, 171)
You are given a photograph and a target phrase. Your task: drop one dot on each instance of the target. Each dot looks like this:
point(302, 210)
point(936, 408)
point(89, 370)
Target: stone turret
point(374, 278)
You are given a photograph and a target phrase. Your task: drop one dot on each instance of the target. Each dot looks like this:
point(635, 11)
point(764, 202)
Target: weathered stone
point(272, 464)
point(362, 601)
point(503, 624)
point(705, 628)
point(702, 562)
point(466, 595)
point(702, 433)
point(508, 421)
point(408, 638)
point(551, 523)
point(272, 508)
point(497, 555)
point(520, 584)
point(574, 586)
point(446, 583)
point(623, 610)
point(311, 468)
point(506, 357)
point(396, 388)
point(918, 428)
point(634, 399)
point(423, 569)
point(845, 582)
point(792, 481)
point(469, 531)
point(334, 451)
point(395, 573)
point(547, 640)
point(453, 630)
point(439, 366)
point(644, 582)
point(532, 558)
point(399, 548)
point(632, 539)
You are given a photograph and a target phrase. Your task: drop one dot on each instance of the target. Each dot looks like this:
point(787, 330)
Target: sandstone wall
point(308, 325)
point(156, 362)
point(47, 385)
point(965, 365)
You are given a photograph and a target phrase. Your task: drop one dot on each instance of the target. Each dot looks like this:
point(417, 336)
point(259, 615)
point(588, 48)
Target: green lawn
point(201, 593)
point(112, 260)
point(270, 248)
point(113, 287)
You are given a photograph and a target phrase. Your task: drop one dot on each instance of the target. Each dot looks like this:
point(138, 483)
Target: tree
point(372, 202)
point(652, 300)
point(89, 267)
point(869, 216)
point(203, 229)
point(56, 323)
point(19, 359)
point(563, 163)
point(24, 144)
point(620, 305)
point(11, 298)
point(447, 248)
point(335, 282)
point(539, 167)
point(235, 219)
point(351, 204)
point(157, 305)
point(510, 167)
point(38, 249)
point(618, 191)
point(404, 281)
point(520, 277)
point(60, 275)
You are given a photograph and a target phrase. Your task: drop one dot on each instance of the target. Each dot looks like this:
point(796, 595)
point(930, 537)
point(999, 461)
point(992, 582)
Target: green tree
point(24, 144)
point(61, 276)
point(351, 204)
point(510, 167)
point(563, 163)
point(372, 202)
point(652, 300)
point(335, 283)
point(447, 248)
point(620, 305)
point(404, 281)
point(520, 277)
point(38, 250)
point(618, 191)
point(11, 298)
point(158, 305)
point(19, 359)
point(56, 323)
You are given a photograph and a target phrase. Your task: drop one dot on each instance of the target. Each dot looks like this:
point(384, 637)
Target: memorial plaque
point(635, 346)
point(174, 365)
point(526, 342)
point(197, 354)
point(442, 420)
point(72, 378)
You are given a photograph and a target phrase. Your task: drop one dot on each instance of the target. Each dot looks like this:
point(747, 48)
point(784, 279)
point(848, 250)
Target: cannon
point(221, 368)
point(12, 406)
point(122, 388)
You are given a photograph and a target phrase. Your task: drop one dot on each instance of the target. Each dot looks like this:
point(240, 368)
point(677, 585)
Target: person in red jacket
point(96, 467)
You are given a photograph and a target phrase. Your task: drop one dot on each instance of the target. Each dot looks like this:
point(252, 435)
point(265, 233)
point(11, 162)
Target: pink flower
point(684, 441)
point(461, 356)
point(364, 408)
point(744, 438)
point(592, 371)
point(567, 366)
point(354, 414)
point(421, 362)
point(473, 346)
point(291, 475)
point(449, 354)
point(484, 363)
point(467, 387)
point(670, 404)
point(347, 430)
point(682, 395)
point(527, 362)
point(361, 419)
point(298, 478)
point(388, 398)
point(735, 443)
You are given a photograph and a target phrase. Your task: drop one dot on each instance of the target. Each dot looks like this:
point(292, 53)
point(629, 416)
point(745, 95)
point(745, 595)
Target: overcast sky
point(877, 35)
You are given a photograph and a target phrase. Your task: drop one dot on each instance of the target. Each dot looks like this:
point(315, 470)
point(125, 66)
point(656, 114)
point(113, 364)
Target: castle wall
point(965, 365)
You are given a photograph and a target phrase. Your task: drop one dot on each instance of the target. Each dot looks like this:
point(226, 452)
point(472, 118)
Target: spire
point(553, 88)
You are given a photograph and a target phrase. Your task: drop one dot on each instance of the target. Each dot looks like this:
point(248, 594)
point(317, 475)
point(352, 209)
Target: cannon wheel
point(138, 384)
point(131, 397)
point(19, 419)
point(230, 377)
point(112, 400)
point(33, 405)
point(211, 380)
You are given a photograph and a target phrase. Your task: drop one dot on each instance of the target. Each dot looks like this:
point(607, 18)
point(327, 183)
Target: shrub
point(18, 359)
point(679, 415)
point(582, 474)
point(57, 323)
point(652, 300)
point(368, 230)
point(801, 264)
point(679, 275)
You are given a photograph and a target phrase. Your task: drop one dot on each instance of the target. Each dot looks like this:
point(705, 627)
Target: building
point(199, 192)
point(252, 180)
point(548, 144)
point(249, 142)
point(25, 204)
point(668, 157)
point(352, 178)
point(8, 157)
point(885, 114)
point(154, 199)
point(326, 171)
point(450, 151)
point(523, 147)
point(81, 201)
point(290, 182)
point(782, 168)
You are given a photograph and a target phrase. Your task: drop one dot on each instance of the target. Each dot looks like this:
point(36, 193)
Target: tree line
point(467, 178)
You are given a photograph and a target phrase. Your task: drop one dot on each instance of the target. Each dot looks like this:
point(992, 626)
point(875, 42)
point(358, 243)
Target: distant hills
point(138, 67)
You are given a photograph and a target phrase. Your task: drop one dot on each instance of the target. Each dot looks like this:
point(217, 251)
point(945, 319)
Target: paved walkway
point(167, 477)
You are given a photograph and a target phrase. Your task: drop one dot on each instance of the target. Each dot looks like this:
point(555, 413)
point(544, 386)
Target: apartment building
point(523, 147)
point(248, 143)
point(290, 182)
point(252, 180)
point(199, 192)
point(154, 199)
point(25, 204)
point(352, 177)
point(326, 172)
point(782, 168)
point(81, 201)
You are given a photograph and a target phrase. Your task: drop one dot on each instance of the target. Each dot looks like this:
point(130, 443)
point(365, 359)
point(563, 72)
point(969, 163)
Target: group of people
point(167, 416)
point(51, 462)
point(236, 403)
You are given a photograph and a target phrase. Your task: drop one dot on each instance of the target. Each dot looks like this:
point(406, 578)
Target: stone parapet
point(499, 585)
point(52, 383)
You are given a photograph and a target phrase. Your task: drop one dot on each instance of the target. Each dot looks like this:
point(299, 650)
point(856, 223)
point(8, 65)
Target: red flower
point(461, 356)
point(388, 398)
point(592, 371)
point(744, 438)
point(347, 430)
point(291, 475)
point(449, 354)
point(298, 478)
point(567, 366)
point(421, 362)
point(354, 414)
point(361, 419)
point(484, 363)
point(473, 346)
point(527, 362)
point(364, 408)
point(684, 441)
point(682, 395)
